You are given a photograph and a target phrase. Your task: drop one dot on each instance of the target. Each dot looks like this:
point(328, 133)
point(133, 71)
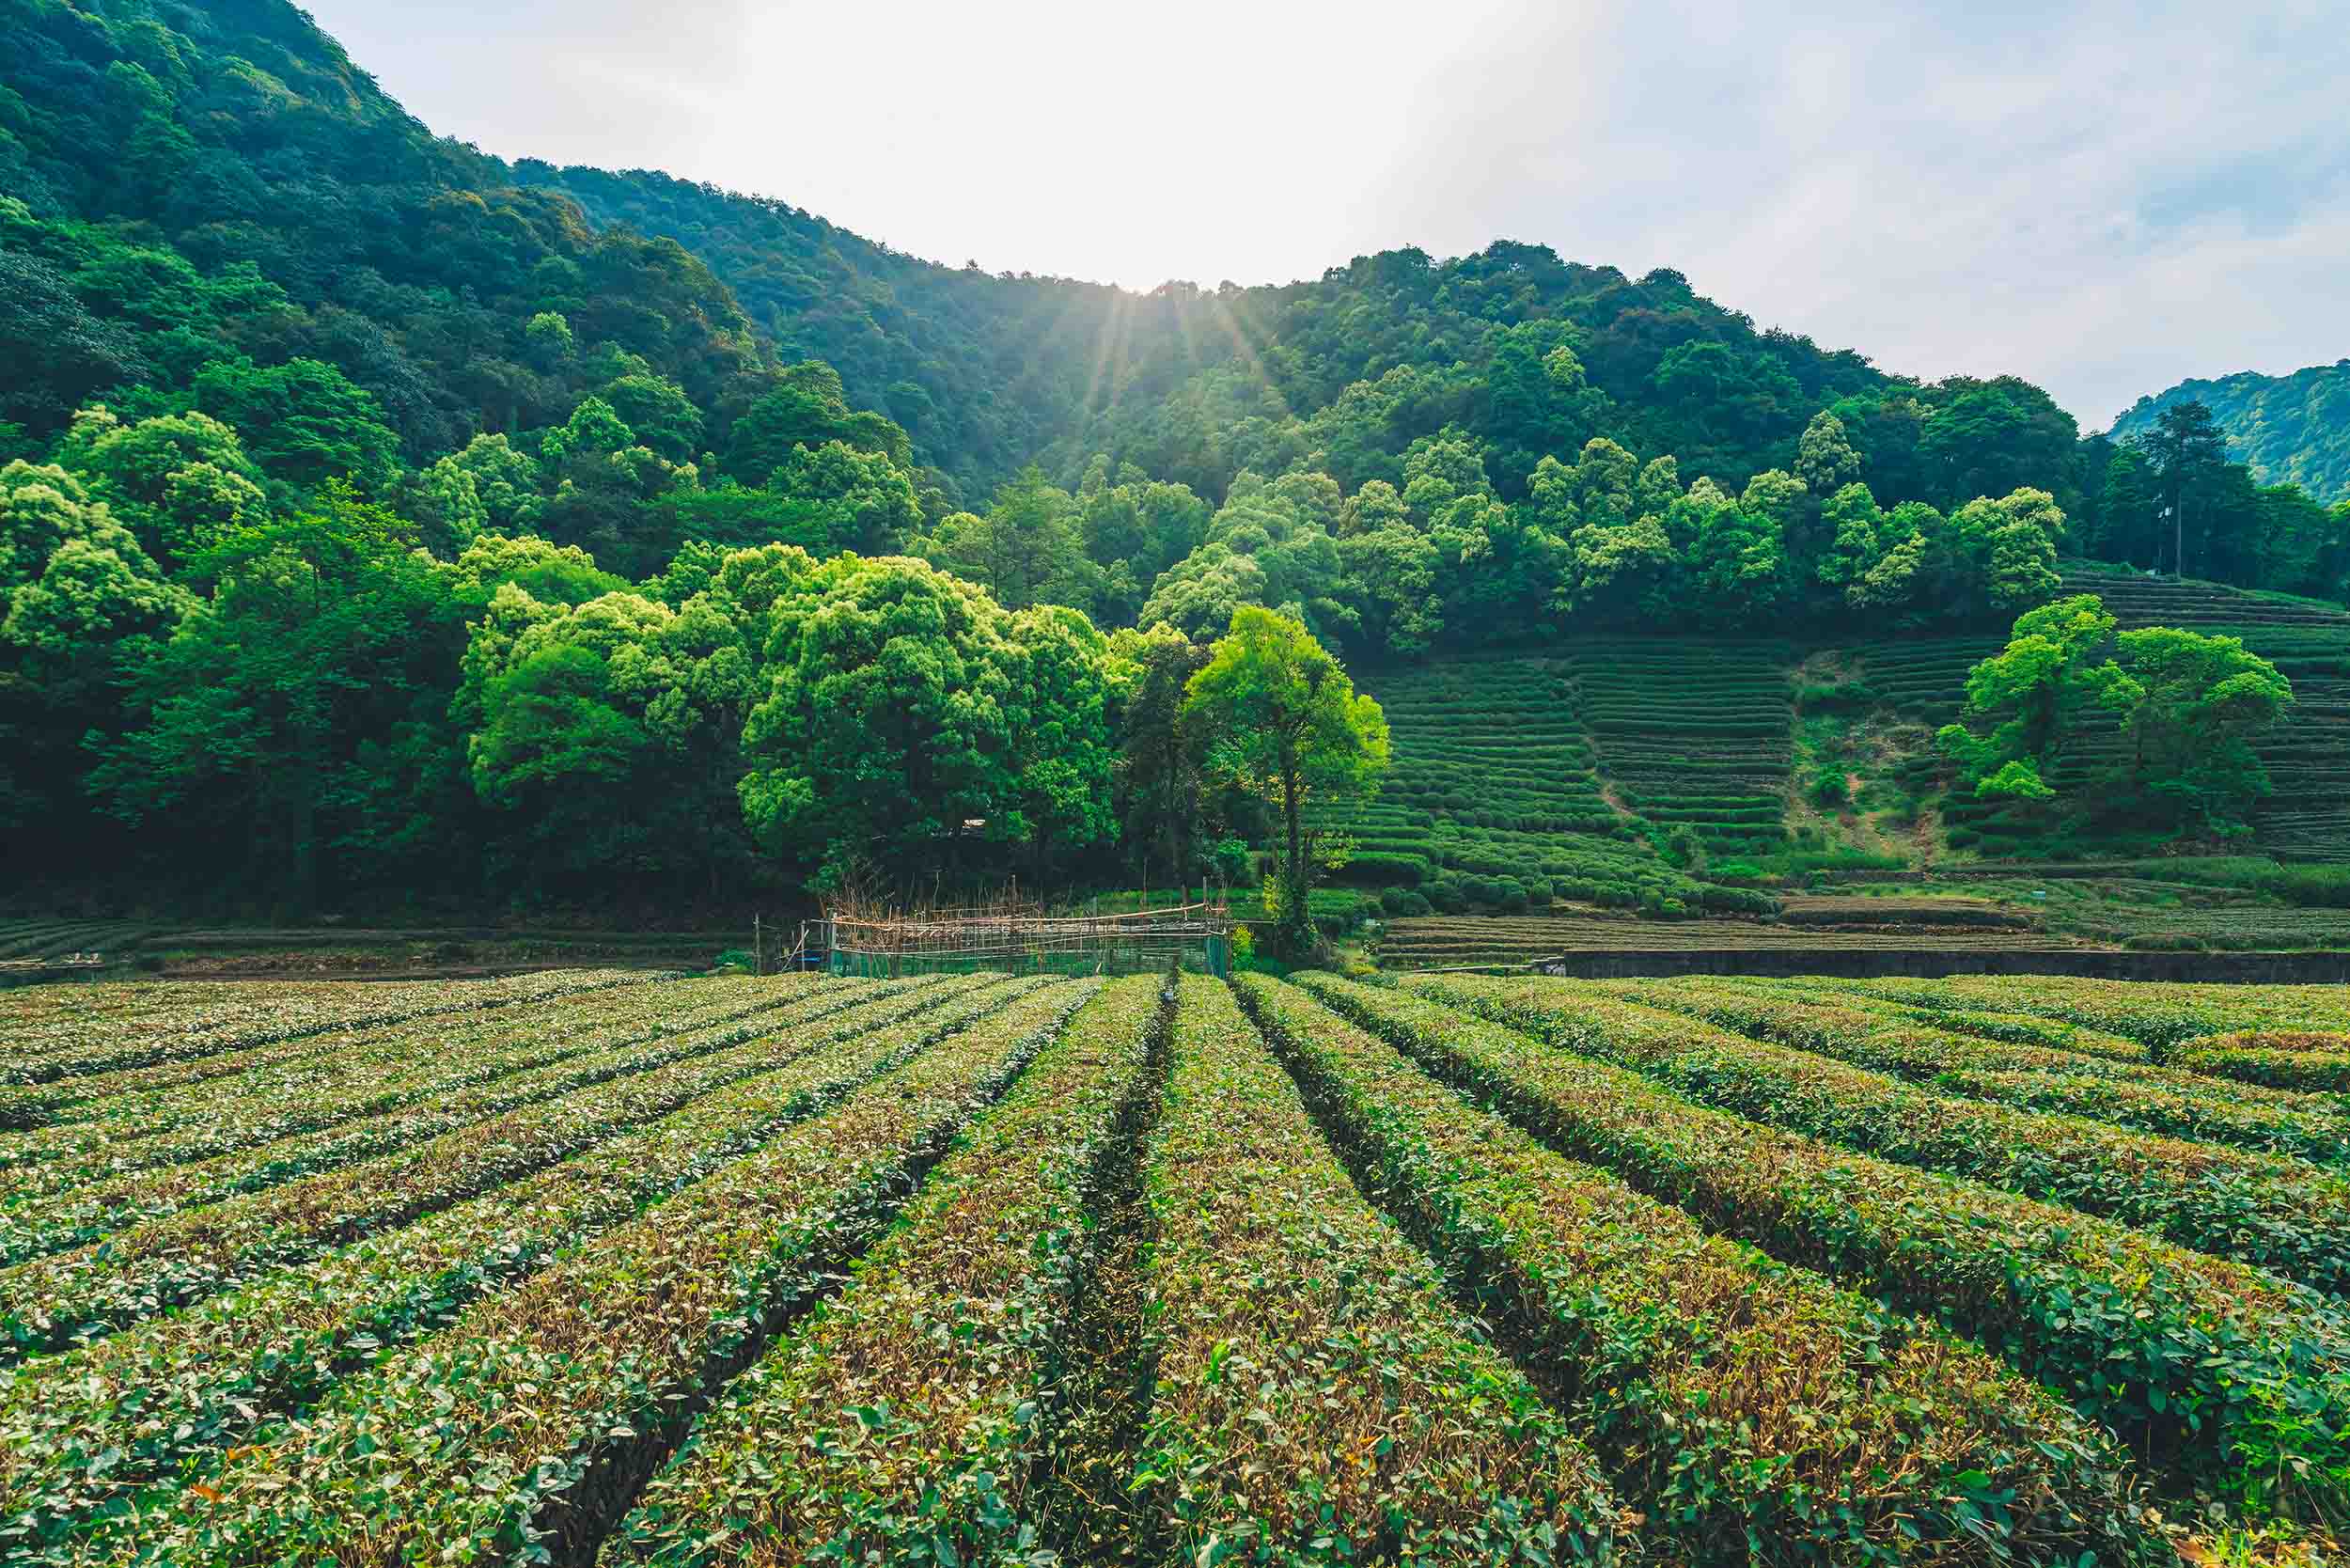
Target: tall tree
point(1288, 723)
point(1162, 757)
point(292, 726)
point(2196, 705)
point(903, 709)
point(2188, 452)
point(2029, 694)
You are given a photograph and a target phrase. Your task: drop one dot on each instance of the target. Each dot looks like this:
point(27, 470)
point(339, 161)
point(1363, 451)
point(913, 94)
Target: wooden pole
point(758, 946)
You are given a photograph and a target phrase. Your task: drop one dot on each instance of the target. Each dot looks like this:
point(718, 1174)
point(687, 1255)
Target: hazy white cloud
point(2104, 198)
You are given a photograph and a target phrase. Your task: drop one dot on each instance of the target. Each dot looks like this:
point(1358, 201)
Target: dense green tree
point(595, 430)
point(53, 352)
point(807, 408)
point(2195, 705)
point(1283, 718)
point(1389, 575)
point(1497, 570)
point(290, 727)
point(1276, 526)
point(1065, 753)
point(2128, 523)
point(551, 573)
point(1854, 526)
point(658, 412)
point(1737, 563)
point(302, 421)
point(489, 487)
point(1989, 438)
point(2189, 457)
point(1161, 778)
point(1134, 531)
point(1534, 398)
point(890, 737)
point(619, 696)
point(864, 497)
point(1610, 513)
point(1825, 459)
point(1987, 557)
point(1201, 592)
point(1026, 550)
point(81, 606)
point(2023, 702)
point(177, 482)
point(1267, 545)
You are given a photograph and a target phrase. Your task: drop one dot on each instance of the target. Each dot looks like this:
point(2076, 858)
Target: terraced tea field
point(1519, 939)
point(610, 1269)
point(1695, 734)
point(2308, 756)
point(1516, 780)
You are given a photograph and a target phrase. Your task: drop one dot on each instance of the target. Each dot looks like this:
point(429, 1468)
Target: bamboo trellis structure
point(1022, 939)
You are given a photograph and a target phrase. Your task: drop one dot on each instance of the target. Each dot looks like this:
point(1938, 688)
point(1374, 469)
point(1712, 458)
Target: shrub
point(1381, 868)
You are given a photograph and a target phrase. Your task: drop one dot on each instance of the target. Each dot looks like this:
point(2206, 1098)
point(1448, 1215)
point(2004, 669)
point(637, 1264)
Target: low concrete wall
point(2299, 968)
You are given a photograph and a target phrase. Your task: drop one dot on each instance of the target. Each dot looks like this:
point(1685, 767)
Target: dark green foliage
point(244, 297)
point(2290, 429)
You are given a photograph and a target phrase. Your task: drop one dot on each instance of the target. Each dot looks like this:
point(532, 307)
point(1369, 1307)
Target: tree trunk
point(1294, 868)
point(307, 771)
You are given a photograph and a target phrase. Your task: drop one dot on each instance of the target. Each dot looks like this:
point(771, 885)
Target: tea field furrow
point(84, 1431)
point(144, 1100)
point(278, 1015)
point(2280, 1214)
point(527, 1423)
point(130, 1133)
point(54, 1301)
point(2310, 1062)
point(1313, 1391)
point(2162, 1100)
point(1748, 1407)
point(2236, 1375)
point(740, 1272)
point(919, 1405)
point(97, 1200)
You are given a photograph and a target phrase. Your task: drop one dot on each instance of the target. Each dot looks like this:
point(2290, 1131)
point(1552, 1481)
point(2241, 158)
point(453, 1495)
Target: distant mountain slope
point(2292, 430)
point(158, 147)
point(984, 370)
point(988, 371)
point(155, 154)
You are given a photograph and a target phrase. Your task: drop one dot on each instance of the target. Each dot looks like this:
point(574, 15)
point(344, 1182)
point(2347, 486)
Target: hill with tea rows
point(1637, 775)
point(1609, 772)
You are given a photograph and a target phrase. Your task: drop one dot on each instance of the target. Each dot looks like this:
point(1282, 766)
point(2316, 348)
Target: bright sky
point(2104, 198)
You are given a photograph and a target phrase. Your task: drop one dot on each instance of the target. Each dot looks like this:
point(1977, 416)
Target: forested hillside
point(2289, 429)
point(382, 519)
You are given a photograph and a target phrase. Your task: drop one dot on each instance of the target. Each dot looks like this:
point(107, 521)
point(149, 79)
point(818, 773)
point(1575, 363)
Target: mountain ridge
point(2290, 428)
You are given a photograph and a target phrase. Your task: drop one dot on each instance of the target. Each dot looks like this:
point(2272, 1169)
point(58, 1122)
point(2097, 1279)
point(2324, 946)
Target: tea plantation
point(1649, 774)
point(599, 1269)
point(1521, 780)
